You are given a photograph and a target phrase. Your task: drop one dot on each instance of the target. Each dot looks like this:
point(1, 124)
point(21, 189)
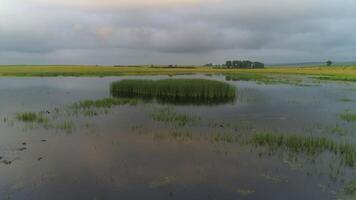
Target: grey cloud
point(274, 31)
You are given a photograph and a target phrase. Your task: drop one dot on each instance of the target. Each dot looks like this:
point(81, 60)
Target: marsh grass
point(260, 78)
point(66, 126)
point(347, 78)
point(350, 188)
point(348, 116)
point(169, 115)
point(176, 91)
point(32, 117)
point(306, 144)
point(92, 108)
point(103, 103)
point(247, 77)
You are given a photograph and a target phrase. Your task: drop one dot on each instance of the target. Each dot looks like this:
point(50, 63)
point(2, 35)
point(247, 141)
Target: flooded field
point(154, 137)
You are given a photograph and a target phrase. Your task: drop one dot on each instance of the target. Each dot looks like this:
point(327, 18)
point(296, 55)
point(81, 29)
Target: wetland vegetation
point(179, 91)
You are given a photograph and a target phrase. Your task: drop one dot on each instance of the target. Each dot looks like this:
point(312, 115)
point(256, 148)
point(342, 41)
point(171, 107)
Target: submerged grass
point(306, 144)
point(348, 117)
point(169, 115)
point(32, 117)
point(266, 79)
point(179, 91)
point(66, 126)
point(103, 103)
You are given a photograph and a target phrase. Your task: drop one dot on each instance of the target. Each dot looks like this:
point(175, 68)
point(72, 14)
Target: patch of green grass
point(349, 117)
point(306, 144)
point(103, 103)
point(265, 79)
point(93, 108)
point(177, 91)
point(247, 77)
point(32, 117)
point(337, 78)
point(169, 115)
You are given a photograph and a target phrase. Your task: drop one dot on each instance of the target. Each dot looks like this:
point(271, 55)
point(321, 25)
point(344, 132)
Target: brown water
point(123, 153)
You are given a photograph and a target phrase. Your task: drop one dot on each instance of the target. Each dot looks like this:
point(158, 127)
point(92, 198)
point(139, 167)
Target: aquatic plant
point(176, 91)
point(32, 117)
point(350, 188)
point(103, 103)
point(247, 77)
point(66, 126)
point(349, 117)
point(169, 115)
point(345, 99)
point(306, 144)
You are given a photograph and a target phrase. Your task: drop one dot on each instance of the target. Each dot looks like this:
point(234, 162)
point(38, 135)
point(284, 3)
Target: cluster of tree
point(244, 64)
point(329, 63)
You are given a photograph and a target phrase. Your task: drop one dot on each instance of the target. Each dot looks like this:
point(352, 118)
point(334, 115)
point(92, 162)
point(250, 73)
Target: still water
point(123, 153)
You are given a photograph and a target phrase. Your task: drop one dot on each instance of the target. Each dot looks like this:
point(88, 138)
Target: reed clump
point(177, 91)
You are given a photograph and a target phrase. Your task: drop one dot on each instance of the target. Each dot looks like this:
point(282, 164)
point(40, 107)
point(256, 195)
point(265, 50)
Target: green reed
point(195, 91)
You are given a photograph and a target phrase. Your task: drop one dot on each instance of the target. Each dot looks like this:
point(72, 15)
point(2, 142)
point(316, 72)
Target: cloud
point(122, 3)
point(177, 31)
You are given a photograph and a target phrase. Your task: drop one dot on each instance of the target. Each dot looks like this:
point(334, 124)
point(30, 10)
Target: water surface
point(124, 153)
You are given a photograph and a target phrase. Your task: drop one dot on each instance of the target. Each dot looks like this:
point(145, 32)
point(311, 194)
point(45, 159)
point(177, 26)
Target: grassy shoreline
point(328, 73)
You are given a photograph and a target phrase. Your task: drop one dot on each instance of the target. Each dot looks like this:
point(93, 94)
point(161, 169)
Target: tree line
point(240, 64)
point(243, 64)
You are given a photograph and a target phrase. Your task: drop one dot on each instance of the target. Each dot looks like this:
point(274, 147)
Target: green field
point(328, 73)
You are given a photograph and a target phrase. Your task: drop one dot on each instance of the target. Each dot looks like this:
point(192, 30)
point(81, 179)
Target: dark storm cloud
point(168, 31)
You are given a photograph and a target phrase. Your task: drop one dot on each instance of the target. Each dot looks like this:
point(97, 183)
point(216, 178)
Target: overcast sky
point(176, 31)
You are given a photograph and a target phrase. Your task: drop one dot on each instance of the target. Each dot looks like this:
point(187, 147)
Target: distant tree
point(236, 64)
point(209, 64)
point(258, 65)
point(228, 63)
point(329, 63)
point(246, 64)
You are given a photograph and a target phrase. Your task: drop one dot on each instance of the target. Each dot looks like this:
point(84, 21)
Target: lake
point(189, 148)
